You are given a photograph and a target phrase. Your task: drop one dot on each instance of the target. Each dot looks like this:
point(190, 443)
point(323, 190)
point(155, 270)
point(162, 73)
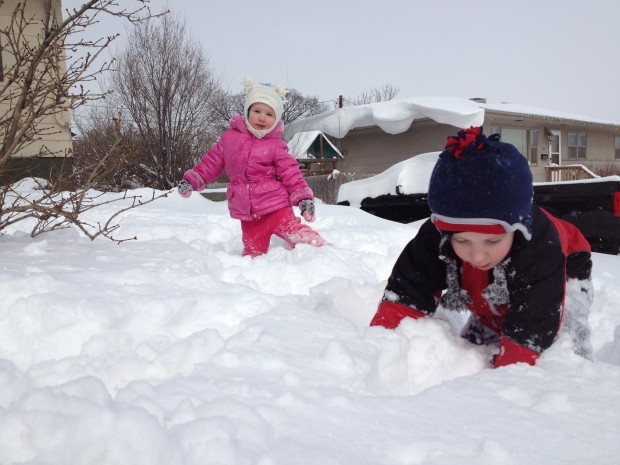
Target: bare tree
point(225, 106)
point(103, 133)
point(166, 86)
point(301, 106)
point(377, 94)
point(37, 85)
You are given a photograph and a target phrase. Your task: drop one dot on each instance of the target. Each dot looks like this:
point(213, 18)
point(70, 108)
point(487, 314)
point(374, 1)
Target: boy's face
point(483, 251)
point(261, 116)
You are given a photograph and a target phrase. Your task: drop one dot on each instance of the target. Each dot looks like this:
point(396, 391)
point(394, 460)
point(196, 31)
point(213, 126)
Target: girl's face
point(482, 251)
point(261, 116)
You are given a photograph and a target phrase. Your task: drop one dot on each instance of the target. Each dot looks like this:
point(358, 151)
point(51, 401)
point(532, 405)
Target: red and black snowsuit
point(521, 300)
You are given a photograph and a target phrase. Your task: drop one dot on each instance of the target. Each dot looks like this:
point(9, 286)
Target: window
point(577, 145)
point(516, 137)
point(525, 140)
point(617, 156)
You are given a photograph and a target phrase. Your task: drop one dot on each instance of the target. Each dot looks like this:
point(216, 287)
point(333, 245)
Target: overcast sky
point(555, 54)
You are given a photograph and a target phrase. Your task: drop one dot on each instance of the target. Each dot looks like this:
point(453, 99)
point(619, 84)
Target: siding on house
point(600, 136)
point(370, 150)
point(54, 142)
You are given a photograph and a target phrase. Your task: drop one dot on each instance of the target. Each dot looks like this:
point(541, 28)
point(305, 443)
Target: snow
point(397, 115)
point(175, 349)
point(394, 116)
point(410, 176)
point(597, 179)
point(536, 111)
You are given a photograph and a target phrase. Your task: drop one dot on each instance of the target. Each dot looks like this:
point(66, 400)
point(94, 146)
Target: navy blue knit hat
point(482, 185)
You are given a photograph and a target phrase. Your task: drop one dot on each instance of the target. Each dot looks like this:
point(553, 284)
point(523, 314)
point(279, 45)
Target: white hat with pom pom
point(272, 96)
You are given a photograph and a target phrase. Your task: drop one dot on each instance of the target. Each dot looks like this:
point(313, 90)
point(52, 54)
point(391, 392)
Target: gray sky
point(555, 54)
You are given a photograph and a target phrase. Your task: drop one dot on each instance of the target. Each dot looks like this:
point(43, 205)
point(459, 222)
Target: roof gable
point(312, 144)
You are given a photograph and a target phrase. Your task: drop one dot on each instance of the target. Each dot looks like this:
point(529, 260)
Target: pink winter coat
point(264, 176)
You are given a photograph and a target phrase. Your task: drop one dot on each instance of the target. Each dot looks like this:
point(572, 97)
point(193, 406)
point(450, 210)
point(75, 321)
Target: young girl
point(511, 264)
point(265, 180)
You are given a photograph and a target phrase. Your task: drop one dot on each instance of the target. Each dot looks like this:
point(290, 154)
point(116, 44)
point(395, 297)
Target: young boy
point(489, 250)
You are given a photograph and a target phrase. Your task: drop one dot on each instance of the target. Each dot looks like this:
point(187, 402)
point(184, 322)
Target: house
point(375, 136)
point(47, 150)
point(314, 152)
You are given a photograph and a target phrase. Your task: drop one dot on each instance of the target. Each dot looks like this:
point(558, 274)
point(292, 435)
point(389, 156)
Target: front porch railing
point(568, 173)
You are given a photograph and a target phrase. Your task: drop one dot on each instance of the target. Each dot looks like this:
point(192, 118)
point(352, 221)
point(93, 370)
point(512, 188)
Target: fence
point(325, 187)
point(568, 173)
point(317, 166)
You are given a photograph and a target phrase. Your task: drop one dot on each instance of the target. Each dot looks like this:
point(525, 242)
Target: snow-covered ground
point(174, 349)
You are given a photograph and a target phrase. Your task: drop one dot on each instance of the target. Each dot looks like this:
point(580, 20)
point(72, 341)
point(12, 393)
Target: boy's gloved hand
point(306, 207)
point(185, 189)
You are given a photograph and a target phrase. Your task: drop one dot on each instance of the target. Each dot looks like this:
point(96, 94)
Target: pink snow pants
point(283, 223)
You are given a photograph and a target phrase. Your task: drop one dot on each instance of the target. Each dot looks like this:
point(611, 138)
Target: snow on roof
point(301, 141)
point(396, 116)
point(551, 114)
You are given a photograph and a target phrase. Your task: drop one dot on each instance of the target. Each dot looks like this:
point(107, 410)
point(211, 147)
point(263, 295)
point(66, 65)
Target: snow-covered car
point(398, 194)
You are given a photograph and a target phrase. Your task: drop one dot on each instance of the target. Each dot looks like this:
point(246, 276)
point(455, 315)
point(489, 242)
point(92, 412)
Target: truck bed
point(591, 205)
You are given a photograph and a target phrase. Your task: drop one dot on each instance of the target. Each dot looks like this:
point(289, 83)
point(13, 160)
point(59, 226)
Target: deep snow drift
point(174, 349)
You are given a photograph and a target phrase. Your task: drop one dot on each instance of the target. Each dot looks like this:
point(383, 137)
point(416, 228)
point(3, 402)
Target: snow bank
point(174, 349)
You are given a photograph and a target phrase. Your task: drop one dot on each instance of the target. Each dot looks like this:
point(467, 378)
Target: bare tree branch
point(382, 94)
point(47, 64)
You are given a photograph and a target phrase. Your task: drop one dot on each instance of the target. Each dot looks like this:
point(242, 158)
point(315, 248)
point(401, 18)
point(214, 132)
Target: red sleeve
point(571, 238)
point(390, 314)
point(511, 352)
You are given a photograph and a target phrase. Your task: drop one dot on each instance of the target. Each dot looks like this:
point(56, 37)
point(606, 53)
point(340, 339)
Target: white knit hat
point(272, 96)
